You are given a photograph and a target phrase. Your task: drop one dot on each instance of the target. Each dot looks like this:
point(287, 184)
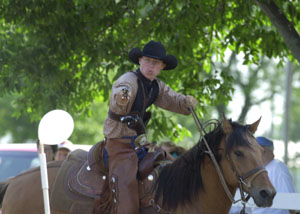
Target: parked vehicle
point(16, 158)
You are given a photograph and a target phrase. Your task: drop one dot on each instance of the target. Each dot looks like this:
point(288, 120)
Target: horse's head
point(244, 166)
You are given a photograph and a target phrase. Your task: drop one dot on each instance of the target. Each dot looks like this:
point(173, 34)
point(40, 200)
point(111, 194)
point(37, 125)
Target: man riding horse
point(131, 95)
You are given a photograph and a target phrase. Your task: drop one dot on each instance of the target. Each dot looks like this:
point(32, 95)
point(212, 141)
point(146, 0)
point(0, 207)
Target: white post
point(55, 127)
point(44, 176)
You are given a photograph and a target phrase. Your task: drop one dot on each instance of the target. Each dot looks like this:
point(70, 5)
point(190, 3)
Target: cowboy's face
point(150, 67)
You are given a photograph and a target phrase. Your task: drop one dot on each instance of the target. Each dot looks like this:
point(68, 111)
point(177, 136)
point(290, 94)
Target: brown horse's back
point(31, 182)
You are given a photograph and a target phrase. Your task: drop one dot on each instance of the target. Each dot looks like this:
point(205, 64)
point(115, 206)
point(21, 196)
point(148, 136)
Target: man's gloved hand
point(135, 122)
point(123, 95)
point(191, 101)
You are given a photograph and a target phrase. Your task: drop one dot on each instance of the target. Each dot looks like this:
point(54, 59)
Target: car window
point(13, 163)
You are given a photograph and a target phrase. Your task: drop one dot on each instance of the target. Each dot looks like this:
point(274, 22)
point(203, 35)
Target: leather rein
point(241, 179)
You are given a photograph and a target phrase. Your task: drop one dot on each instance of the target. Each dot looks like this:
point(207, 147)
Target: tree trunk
point(286, 120)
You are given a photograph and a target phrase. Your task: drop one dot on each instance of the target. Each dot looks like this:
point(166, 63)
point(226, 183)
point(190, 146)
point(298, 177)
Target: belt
point(126, 139)
point(114, 116)
point(121, 140)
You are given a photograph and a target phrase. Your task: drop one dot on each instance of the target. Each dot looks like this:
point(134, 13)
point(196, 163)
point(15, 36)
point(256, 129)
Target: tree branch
point(283, 25)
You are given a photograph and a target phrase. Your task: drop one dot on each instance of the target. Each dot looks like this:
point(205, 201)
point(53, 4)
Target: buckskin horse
point(191, 184)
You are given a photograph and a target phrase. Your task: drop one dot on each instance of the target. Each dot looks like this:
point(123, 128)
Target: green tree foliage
point(66, 54)
point(88, 127)
point(20, 129)
point(87, 130)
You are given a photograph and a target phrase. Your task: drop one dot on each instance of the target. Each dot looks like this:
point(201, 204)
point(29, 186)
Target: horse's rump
point(24, 193)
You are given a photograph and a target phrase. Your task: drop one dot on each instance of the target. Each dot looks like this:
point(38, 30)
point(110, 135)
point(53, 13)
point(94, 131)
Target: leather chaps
point(123, 168)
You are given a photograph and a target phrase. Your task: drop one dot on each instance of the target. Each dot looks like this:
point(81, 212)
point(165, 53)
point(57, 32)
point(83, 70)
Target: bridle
point(250, 175)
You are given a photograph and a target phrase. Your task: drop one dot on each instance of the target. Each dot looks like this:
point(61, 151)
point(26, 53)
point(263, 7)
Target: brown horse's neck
point(214, 194)
point(213, 198)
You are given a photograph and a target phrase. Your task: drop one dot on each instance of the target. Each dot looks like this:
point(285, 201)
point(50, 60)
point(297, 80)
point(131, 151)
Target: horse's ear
point(226, 126)
point(253, 126)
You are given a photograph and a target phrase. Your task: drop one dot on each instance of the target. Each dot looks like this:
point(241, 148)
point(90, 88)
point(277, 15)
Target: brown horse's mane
point(181, 181)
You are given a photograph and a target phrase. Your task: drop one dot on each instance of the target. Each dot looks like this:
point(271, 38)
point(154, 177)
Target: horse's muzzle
point(263, 197)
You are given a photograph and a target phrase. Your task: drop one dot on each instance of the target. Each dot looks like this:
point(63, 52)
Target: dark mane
point(181, 181)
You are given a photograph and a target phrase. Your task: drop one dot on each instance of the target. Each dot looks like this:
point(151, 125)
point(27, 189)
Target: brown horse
point(188, 185)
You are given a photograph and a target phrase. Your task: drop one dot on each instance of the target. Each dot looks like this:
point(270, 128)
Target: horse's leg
point(3, 187)
point(24, 193)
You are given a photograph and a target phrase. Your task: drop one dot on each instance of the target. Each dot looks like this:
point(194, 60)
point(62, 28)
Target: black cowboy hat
point(154, 50)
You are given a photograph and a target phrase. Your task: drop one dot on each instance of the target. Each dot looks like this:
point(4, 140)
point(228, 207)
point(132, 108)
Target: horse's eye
point(239, 153)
